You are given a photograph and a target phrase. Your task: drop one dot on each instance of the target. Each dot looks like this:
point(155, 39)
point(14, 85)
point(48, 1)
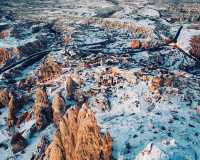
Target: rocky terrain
point(99, 80)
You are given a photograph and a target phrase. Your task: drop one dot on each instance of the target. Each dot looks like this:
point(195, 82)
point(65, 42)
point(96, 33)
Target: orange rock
point(4, 98)
point(72, 86)
point(155, 84)
point(116, 71)
point(4, 55)
point(144, 78)
point(79, 137)
point(152, 88)
point(41, 109)
point(58, 108)
point(156, 81)
point(135, 44)
point(12, 108)
point(48, 70)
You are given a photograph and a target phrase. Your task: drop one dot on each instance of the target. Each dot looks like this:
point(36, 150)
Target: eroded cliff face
point(78, 137)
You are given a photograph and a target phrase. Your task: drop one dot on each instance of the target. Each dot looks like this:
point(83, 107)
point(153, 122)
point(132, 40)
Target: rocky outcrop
point(160, 81)
point(135, 44)
point(71, 87)
point(155, 84)
point(78, 137)
point(11, 101)
point(41, 110)
point(195, 46)
point(26, 84)
point(4, 55)
point(18, 143)
point(41, 147)
point(12, 109)
point(58, 108)
point(48, 70)
point(4, 98)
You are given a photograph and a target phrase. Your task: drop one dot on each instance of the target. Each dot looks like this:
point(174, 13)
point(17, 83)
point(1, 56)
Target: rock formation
point(135, 44)
point(195, 46)
point(8, 99)
point(71, 86)
point(160, 81)
point(41, 109)
point(78, 137)
point(4, 98)
point(58, 108)
point(155, 84)
point(12, 108)
point(18, 143)
point(4, 55)
point(26, 84)
point(41, 147)
point(48, 70)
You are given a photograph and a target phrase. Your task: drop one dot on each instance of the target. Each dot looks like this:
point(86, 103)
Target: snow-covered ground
point(144, 125)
